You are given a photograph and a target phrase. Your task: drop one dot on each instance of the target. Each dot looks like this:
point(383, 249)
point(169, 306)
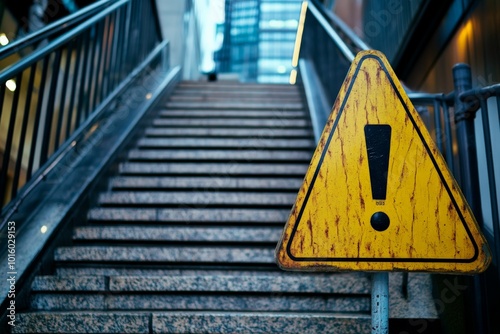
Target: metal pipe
point(380, 303)
point(465, 113)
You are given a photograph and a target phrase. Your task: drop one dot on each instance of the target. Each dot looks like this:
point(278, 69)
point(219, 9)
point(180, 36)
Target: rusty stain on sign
point(378, 195)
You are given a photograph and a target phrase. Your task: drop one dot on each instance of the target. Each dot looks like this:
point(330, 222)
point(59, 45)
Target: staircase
point(183, 239)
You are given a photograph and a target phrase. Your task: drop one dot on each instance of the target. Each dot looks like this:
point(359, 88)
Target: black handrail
point(62, 86)
point(54, 29)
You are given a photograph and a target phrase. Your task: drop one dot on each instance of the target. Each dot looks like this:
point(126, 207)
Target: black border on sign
point(429, 152)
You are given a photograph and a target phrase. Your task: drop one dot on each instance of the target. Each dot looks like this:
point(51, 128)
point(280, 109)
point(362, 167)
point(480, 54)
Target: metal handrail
point(27, 61)
point(54, 29)
point(67, 84)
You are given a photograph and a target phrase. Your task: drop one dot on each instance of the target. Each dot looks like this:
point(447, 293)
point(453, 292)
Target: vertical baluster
point(50, 108)
point(449, 137)
point(76, 72)
point(111, 42)
point(114, 52)
point(438, 125)
point(24, 128)
point(36, 124)
point(92, 70)
point(3, 183)
point(62, 102)
point(99, 50)
point(83, 82)
point(10, 139)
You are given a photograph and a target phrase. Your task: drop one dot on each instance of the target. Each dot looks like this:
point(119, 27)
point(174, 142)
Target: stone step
point(212, 169)
point(205, 183)
point(273, 114)
point(262, 97)
point(235, 104)
point(220, 143)
point(196, 198)
point(226, 255)
point(232, 123)
point(187, 215)
point(213, 301)
point(195, 322)
point(178, 234)
point(236, 86)
point(258, 283)
point(228, 132)
point(221, 155)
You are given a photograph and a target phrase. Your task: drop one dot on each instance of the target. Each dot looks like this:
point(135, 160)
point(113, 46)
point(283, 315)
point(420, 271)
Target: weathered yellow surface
point(431, 226)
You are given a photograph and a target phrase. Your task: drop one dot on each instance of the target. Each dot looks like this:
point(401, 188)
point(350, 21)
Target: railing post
point(465, 113)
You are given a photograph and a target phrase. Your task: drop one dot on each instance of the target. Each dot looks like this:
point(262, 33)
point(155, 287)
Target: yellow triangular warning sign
point(378, 194)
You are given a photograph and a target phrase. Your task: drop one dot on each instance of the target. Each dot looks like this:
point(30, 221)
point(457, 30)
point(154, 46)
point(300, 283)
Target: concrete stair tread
point(220, 301)
point(267, 155)
point(250, 98)
point(258, 283)
point(179, 234)
point(190, 215)
point(232, 132)
point(211, 169)
point(220, 105)
point(205, 183)
point(203, 113)
point(251, 143)
point(192, 322)
point(178, 254)
point(233, 122)
point(205, 198)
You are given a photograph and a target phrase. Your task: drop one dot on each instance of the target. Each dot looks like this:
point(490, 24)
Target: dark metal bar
point(76, 76)
point(36, 124)
point(101, 66)
point(157, 24)
point(126, 47)
point(117, 64)
point(437, 121)
point(449, 138)
point(24, 128)
point(62, 102)
point(117, 40)
point(83, 81)
point(109, 56)
point(10, 139)
point(491, 176)
point(92, 69)
point(50, 108)
point(469, 175)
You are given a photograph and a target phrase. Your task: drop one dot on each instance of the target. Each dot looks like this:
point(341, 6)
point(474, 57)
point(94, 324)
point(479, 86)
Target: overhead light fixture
point(11, 85)
point(4, 40)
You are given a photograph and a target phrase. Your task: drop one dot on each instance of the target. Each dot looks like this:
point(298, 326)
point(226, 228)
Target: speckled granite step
point(342, 283)
point(210, 169)
point(232, 132)
point(261, 302)
point(230, 155)
point(278, 114)
point(190, 215)
point(205, 183)
point(220, 105)
point(233, 122)
point(198, 198)
point(179, 234)
point(206, 254)
point(192, 322)
point(252, 143)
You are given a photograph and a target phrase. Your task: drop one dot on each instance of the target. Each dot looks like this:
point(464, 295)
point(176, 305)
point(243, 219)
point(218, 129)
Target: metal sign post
point(380, 303)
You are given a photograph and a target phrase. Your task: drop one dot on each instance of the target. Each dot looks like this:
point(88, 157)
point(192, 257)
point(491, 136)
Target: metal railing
point(459, 122)
point(51, 95)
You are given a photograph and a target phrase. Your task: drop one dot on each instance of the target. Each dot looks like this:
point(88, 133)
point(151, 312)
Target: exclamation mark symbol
point(378, 146)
